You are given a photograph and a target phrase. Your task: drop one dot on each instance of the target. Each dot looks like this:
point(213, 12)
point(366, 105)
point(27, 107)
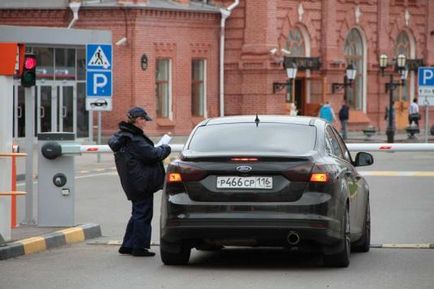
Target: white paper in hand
point(165, 139)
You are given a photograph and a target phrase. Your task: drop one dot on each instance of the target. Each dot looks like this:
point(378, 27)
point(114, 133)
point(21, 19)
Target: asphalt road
point(401, 208)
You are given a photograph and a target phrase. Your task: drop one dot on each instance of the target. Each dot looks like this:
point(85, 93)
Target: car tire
point(342, 257)
point(179, 256)
point(364, 244)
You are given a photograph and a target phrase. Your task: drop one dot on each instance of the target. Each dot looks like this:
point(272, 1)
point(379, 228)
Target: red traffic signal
point(28, 78)
point(30, 62)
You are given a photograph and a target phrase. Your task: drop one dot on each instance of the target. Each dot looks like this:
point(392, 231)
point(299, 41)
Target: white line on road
point(398, 173)
point(384, 246)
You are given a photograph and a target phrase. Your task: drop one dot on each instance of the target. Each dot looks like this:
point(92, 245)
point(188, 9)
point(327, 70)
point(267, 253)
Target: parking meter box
point(56, 181)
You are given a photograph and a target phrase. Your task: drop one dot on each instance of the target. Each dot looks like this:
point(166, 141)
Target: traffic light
point(28, 78)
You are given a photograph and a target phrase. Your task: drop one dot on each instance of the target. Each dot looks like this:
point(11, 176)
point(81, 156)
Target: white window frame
point(205, 74)
point(169, 83)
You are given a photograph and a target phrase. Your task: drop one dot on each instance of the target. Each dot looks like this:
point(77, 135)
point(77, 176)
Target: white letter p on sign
point(427, 74)
point(99, 81)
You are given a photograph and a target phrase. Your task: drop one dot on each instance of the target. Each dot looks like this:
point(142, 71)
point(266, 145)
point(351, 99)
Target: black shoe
point(142, 253)
point(125, 250)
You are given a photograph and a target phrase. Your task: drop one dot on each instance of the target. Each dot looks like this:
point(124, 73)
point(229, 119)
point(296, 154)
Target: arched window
point(354, 52)
point(402, 46)
point(295, 43)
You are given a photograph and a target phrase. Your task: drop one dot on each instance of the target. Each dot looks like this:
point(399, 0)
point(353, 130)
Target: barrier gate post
point(56, 181)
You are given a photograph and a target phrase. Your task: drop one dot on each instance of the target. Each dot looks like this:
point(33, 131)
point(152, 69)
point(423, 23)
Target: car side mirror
point(363, 159)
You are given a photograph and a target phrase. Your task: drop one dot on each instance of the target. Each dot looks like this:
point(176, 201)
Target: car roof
point(302, 120)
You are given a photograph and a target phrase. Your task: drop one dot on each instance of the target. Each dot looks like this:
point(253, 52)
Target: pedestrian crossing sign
point(99, 57)
point(99, 82)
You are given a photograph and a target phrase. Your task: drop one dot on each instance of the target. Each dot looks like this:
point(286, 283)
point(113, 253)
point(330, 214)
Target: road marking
point(114, 243)
point(397, 173)
point(377, 246)
point(408, 246)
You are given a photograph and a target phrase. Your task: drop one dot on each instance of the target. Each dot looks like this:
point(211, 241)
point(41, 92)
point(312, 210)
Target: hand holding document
point(165, 139)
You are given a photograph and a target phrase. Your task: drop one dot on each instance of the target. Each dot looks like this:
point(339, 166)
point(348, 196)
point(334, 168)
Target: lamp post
point(350, 75)
point(291, 72)
point(391, 86)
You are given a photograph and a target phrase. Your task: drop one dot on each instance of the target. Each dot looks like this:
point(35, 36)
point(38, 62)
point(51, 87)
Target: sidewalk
point(27, 239)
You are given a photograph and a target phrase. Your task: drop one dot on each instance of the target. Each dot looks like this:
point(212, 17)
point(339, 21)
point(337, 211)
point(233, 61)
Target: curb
point(49, 241)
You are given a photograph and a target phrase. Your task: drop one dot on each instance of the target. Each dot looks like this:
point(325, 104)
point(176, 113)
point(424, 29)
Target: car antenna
point(257, 120)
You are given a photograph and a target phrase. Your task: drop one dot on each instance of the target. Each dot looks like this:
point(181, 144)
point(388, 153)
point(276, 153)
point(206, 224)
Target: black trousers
point(138, 232)
point(413, 119)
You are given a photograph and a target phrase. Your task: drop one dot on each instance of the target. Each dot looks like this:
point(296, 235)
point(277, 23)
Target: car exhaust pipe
point(293, 238)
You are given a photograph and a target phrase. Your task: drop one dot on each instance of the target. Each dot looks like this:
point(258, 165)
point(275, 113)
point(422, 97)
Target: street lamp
point(291, 72)
point(350, 75)
point(391, 86)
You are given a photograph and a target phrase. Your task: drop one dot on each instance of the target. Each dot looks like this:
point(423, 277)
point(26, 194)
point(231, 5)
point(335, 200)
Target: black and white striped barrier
point(391, 147)
point(57, 150)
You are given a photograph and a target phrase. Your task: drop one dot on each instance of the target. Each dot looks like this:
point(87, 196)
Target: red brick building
point(167, 57)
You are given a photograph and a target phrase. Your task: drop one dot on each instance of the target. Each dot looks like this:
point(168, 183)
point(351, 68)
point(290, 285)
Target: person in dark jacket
point(141, 172)
point(344, 115)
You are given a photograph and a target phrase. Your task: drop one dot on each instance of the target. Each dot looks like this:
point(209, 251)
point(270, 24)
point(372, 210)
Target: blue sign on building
point(99, 77)
point(426, 76)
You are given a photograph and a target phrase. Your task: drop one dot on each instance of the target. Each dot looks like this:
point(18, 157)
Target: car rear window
point(249, 138)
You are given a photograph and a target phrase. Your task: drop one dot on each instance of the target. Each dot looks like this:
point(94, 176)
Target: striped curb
point(49, 241)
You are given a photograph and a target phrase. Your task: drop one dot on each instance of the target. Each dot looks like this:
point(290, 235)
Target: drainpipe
point(75, 6)
point(225, 14)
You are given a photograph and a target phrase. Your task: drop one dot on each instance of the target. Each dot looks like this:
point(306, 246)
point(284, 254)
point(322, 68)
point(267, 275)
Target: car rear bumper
point(315, 218)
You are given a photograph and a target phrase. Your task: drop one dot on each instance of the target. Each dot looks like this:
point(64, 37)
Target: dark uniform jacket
point(138, 162)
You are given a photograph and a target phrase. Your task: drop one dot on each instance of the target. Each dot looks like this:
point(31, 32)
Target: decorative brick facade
point(253, 30)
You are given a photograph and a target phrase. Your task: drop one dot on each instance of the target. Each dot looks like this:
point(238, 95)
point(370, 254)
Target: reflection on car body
point(278, 181)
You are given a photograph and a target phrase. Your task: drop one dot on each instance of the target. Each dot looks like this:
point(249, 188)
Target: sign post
point(99, 84)
point(426, 89)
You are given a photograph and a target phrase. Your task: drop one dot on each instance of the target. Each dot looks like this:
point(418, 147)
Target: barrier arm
point(77, 149)
point(391, 147)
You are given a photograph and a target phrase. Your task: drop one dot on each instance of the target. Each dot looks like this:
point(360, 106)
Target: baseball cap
point(137, 112)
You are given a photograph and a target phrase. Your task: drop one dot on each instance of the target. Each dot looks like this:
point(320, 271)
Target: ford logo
point(244, 169)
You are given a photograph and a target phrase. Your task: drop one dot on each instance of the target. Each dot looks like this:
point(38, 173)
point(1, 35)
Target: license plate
point(235, 182)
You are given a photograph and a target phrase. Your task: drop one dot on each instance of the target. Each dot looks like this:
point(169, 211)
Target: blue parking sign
point(425, 80)
point(99, 83)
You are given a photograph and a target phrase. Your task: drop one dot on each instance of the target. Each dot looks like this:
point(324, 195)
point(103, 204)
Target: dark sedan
point(265, 181)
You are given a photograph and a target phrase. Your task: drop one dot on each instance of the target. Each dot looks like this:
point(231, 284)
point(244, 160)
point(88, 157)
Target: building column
point(329, 48)
point(429, 54)
point(383, 20)
point(260, 36)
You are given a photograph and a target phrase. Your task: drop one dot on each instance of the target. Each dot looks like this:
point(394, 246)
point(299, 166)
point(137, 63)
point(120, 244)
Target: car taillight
point(174, 177)
point(319, 178)
point(182, 172)
point(298, 172)
point(320, 174)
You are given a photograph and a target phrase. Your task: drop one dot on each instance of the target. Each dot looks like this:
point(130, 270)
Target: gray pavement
point(88, 164)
